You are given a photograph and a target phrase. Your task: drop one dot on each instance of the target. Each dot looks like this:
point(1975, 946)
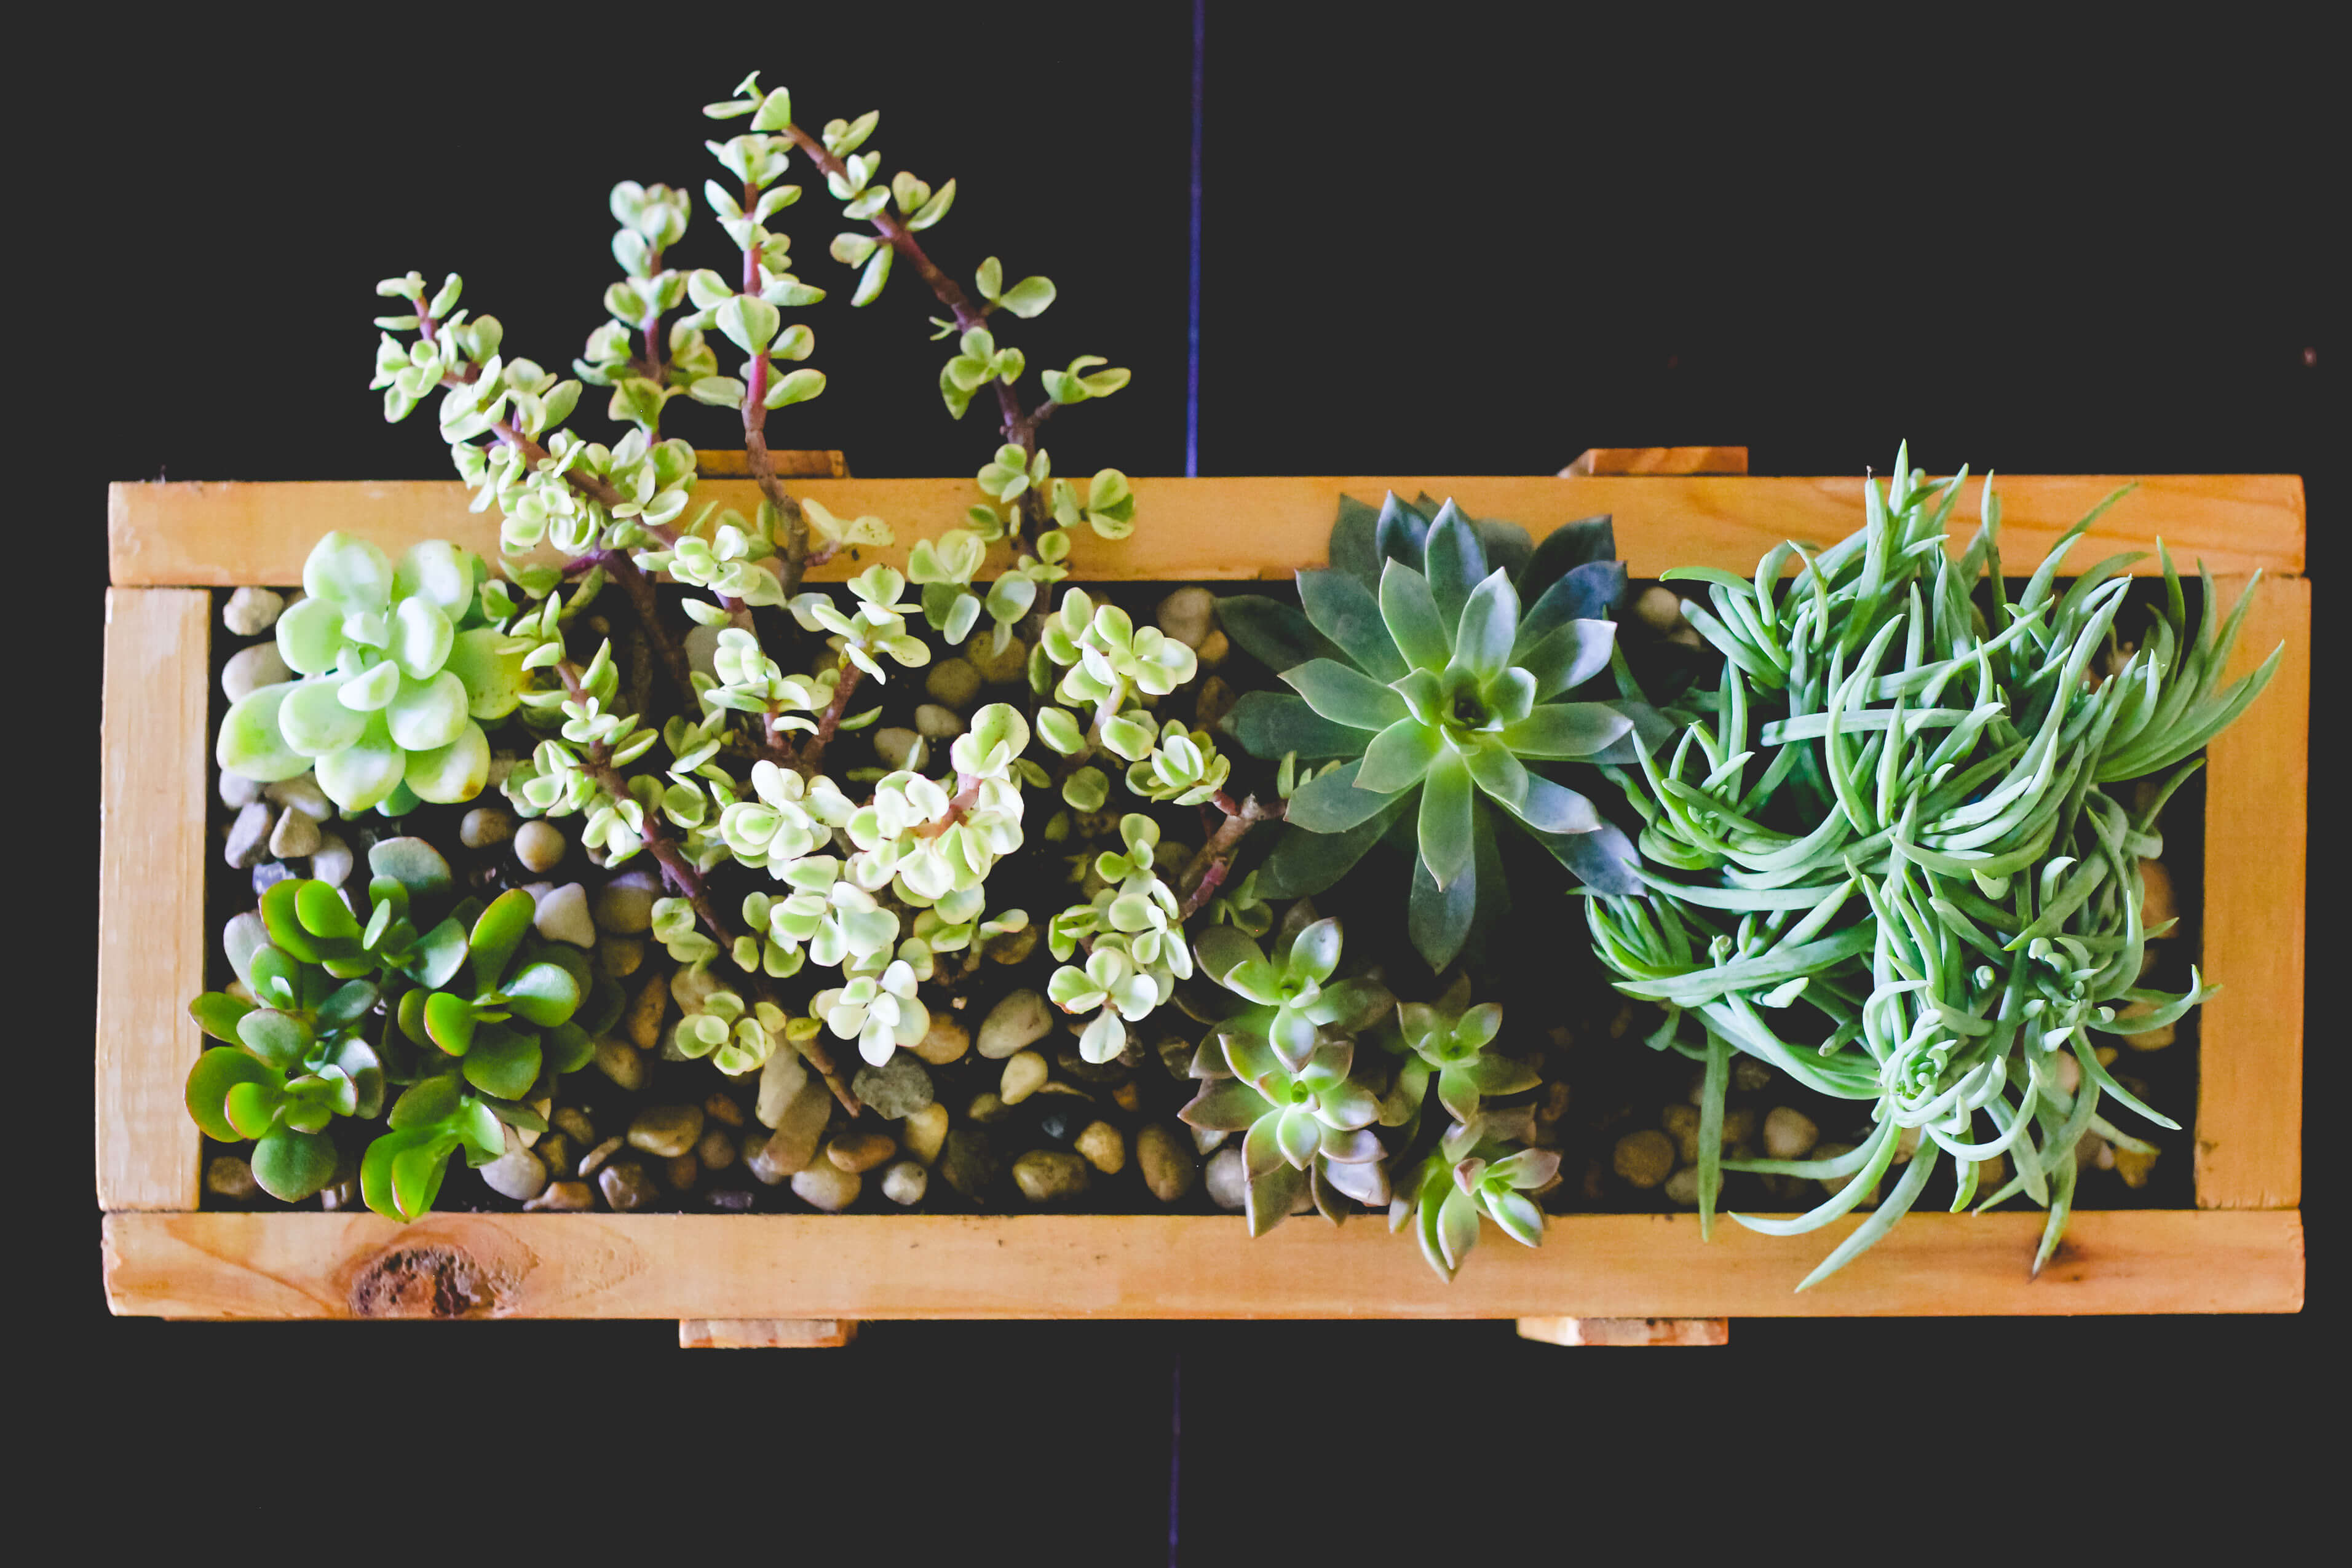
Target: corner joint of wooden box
point(1626, 1331)
point(764, 1333)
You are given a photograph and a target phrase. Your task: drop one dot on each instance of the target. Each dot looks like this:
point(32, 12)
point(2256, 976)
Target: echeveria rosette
point(1469, 1176)
point(1434, 687)
point(398, 666)
point(1445, 1044)
point(1292, 1001)
point(1306, 1129)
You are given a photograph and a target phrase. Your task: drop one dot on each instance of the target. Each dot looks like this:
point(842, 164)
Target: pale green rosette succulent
point(398, 666)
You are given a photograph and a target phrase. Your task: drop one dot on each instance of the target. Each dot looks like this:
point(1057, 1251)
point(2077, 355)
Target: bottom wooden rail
point(1042, 1266)
point(1627, 1331)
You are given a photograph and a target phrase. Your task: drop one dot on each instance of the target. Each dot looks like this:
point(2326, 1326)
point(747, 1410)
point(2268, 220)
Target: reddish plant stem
point(1020, 428)
point(1209, 867)
point(830, 720)
point(756, 455)
point(640, 590)
point(662, 844)
point(967, 796)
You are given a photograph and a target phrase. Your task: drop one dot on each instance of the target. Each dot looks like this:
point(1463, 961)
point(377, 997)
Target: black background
point(1464, 240)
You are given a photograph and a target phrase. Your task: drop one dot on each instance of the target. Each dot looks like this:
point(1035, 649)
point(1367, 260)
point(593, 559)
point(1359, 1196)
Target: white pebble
point(1024, 1075)
point(485, 827)
point(237, 792)
point(249, 669)
point(332, 862)
point(898, 747)
point(563, 916)
point(905, 1183)
point(252, 611)
point(302, 793)
point(934, 722)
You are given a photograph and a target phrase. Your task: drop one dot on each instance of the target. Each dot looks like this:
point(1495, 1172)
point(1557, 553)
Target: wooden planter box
point(2239, 1250)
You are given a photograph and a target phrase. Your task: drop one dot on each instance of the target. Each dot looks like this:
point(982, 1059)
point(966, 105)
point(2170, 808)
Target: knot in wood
point(427, 1280)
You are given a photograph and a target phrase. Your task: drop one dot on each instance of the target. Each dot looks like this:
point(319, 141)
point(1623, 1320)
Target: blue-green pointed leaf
point(1271, 723)
point(1399, 532)
point(1566, 548)
point(1572, 654)
point(1566, 729)
point(1343, 610)
point(1276, 634)
point(1587, 593)
point(1438, 918)
point(1489, 624)
point(1445, 822)
point(1355, 543)
point(1399, 756)
point(1409, 611)
point(1454, 563)
point(1346, 695)
point(1603, 859)
point(1554, 808)
point(1305, 863)
point(1498, 774)
point(1331, 802)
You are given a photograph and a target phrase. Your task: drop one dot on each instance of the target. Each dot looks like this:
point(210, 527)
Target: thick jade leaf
point(417, 1174)
point(452, 773)
point(449, 1020)
point(439, 573)
point(281, 913)
point(363, 773)
point(216, 1013)
point(251, 745)
point(347, 1004)
point(494, 682)
point(478, 1129)
point(414, 863)
point(291, 1165)
point(217, 1071)
point(323, 911)
point(505, 1064)
point(278, 1039)
point(277, 977)
point(427, 713)
point(544, 993)
point(427, 1104)
point(251, 1107)
point(439, 955)
point(310, 636)
point(242, 937)
point(568, 1048)
point(421, 638)
point(601, 1010)
point(314, 721)
point(358, 1062)
point(497, 932)
point(349, 570)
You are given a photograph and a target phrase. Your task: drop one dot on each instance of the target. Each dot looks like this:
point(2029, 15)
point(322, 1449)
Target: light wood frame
point(729, 1278)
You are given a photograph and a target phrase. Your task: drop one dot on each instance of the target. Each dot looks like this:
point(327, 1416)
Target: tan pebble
point(1555, 1102)
point(1044, 1175)
point(1103, 1148)
point(595, 1159)
point(1645, 1158)
point(2154, 1040)
point(1169, 1168)
point(998, 669)
point(295, 836)
point(2156, 904)
point(1682, 1187)
point(620, 956)
point(895, 746)
point(626, 1187)
point(716, 1151)
point(563, 1198)
point(1658, 608)
point(935, 723)
point(229, 1177)
point(666, 1131)
point(1789, 1134)
point(987, 1106)
point(1127, 1095)
point(1215, 701)
point(953, 682)
point(622, 1062)
point(860, 1151)
point(945, 1041)
point(824, 1186)
point(483, 827)
point(573, 1123)
point(682, 1171)
point(1213, 649)
point(1024, 1075)
point(538, 846)
point(646, 1011)
point(1681, 1122)
point(722, 1109)
point(2133, 1167)
point(925, 1132)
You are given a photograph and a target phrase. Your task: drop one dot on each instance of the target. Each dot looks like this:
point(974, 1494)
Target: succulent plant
point(1468, 1175)
point(1135, 941)
point(507, 1014)
point(402, 1173)
point(1419, 667)
point(1447, 1043)
point(1108, 662)
point(875, 630)
point(398, 666)
point(1926, 893)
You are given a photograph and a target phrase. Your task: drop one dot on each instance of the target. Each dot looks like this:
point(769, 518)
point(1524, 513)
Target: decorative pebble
point(895, 1089)
point(1170, 1167)
point(595, 1159)
point(251, 668)
point(331, 861)
point(825, 1186)
point(563, 916)
point(228, 1176)
point(905, 1184)
point(895, 746)
point(2154, 1040)
point(994, 667)
point(968, 1162)
point(723, 1109)
point(666, 1131)
point(1103, 1148)
point(925, 1131)
point(780, 1082)
point(625, 904)
point(1011, 946)
point(563, 1198)
point(1185, 615)
point(935, 723)
point(1789, 1134)
point(1682, 1187)
point(1681, 1122)
point(237, 792)
point(860, 1150)
point(626, 1186)
point(268, 874)
point(1020, 1019)
point(2158, 904)
point(1645, 1158)
point(792, 1145)
point(1062, 1123)
point(538, 846)
point(2133, 1168)
point(554, 1151)
point(249, 836)
point(1228, 1182)
point(573, 1124)
point(302, 793)
point(1127, 1095)
point(646, 1010)
point(732, 1199)
point(682, 1171)
point(1048, 1175)
point(1686, 636)
point(519, 1173)
point(954, 681)
point(622, 1063)
point(620, 956)
point(1024, 1075)
point(487, 827)
point(295, 836)
point(716, 1150)
point(1216, 698)
point(252, 611)
point(1658, 608)
point(1749, 1076)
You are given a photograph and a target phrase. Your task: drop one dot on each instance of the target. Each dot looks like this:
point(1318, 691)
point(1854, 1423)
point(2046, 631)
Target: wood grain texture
point(1627, 1331)
point(1658, 460)
point(2248, 1125)
point(151, 893)
point(789, 465)
point(764, 1333)
point(232, 534)
point(911, 1266)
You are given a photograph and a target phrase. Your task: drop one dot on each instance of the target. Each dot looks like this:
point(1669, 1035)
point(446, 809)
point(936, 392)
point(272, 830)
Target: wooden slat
point(788, 465)
point(2250, 1066)
point(764, 1333)
point(1626, 1332)
point(878, 1268)
point(1658, 460)
point(151, 893)
point(231, 535)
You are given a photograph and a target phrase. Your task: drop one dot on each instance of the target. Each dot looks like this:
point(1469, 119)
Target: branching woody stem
point(1210, 866)
point(830, 720)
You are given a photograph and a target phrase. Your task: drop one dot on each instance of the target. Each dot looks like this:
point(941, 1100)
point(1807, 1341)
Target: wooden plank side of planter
point(232, 534)
point(2248, 1126)
point(223, 1266)
point(150, 892)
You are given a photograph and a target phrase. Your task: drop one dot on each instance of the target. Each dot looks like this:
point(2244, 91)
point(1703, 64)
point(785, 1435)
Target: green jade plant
point(1892, 864)
point(1430, 686)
